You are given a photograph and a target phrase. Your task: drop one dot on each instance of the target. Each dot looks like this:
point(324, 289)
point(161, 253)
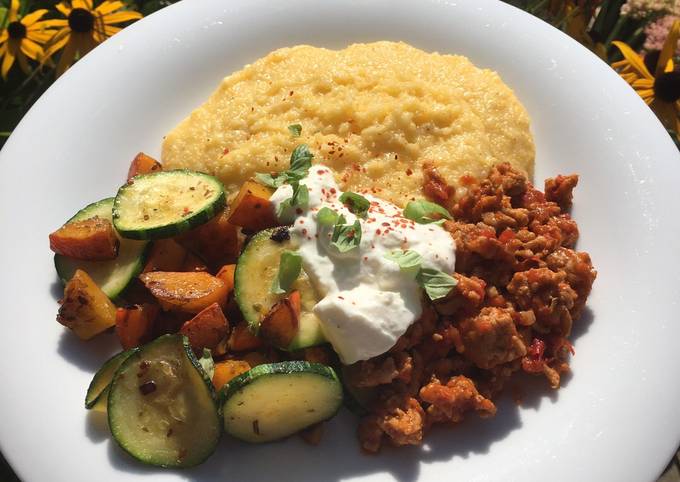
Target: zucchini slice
point(256, 269)
point(111, 276)
point(272, 401)
point(97, 392)
point(161, 405)
point(164, 204)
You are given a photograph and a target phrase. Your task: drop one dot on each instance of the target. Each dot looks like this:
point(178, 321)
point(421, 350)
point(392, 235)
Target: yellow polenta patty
point(374, 112)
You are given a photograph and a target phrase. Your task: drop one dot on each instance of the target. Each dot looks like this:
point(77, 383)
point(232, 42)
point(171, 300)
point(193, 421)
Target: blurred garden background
point(41, 39)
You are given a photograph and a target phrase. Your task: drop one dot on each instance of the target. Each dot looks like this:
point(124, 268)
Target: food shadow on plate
point(88, 356)
point(97, 426)
point(57, 289)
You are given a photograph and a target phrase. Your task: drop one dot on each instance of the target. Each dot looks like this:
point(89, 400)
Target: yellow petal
point(85, 4)
point(45, 24)
point(109, 7)
point(645, 92)
point(3, 37)
point(7, 62)
point(620, 64)
point(634, 59)
point(668, 49)
point(670, 67)
point(57, 42)
point(64, 8)
point(31, 49)
point(40, 36)
point(630, 78)
point(13, 14)
point(33, 17)
point(643, 84)
point(120, 17)
point(110, 31)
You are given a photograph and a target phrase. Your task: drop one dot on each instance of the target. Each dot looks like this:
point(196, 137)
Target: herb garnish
point(346, 237)
point(290, 266)
point(327, 217)
point(295, 130)
point(425, 212)
point(356, 203)
point(300, 162)
point(436, 284)
point(299, 199)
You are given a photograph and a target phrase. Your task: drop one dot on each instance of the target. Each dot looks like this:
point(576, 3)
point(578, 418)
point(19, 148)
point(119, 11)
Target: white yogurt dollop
point(367, 302)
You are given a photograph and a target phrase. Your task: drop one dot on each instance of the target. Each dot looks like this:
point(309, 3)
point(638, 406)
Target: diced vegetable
point(97, 393)
point(282, 323)
point(273, 401)
point(166, 255)
point(228, 369)
point(186, 292)
point(256, 358)
point(161, 405)
point(242, 339)
point(111, 276)
point(85, 308)
point(135, 324)
point(226, 274)
point(217, 241)
point(207, 329)
point(251, 209)
point(164, 204)
point(143, 164)
point(91, 239)
point(256, 269)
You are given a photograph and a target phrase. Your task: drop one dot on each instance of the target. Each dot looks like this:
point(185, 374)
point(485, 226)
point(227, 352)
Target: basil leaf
point(300, 160)
point(269, 180)
point(436, 284)
point(356, 203)
point(346, 237)
point(424, 212)
point(327, 217)
point(300, 199)
point(289, 270)
point(409, 261)
point(295, 130)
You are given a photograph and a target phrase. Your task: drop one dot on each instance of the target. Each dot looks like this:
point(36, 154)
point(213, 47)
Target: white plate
point(617, 418)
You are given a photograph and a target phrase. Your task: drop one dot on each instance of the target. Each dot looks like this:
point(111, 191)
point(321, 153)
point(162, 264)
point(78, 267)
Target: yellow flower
point(23, 38)
point(85, 27)
point(660, 89)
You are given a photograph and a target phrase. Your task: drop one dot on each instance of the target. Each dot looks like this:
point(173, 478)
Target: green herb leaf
point(299, 199)
point(436, 284)
point(289, 270)
point(295, 130)
point(409, 261)
point(300, 160)
point(207, 363)
point(356, 203)
point(269, 180)
point(327, 217)
point(425, 212)
point(346, 236)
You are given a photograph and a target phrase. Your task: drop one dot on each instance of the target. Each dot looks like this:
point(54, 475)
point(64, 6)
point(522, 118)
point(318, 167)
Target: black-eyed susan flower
point(86, 26)
point(654, 77)
point(23, 38)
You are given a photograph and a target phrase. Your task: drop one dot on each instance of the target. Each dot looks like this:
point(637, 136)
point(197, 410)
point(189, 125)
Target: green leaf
point(300, 199)
point(409, 261)
point(425, 212)
point(269, 180)
point(356, 203)
point(327, 217)
point(436, 284)
point(207, 363)
point(301, 160)
point(295, 130)
point(346, 237)
point(289, 270)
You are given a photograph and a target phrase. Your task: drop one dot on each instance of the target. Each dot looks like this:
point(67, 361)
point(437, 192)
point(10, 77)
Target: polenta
point(375, 113)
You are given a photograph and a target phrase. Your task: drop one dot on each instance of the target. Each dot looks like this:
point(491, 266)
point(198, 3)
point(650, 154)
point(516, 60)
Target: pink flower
point(657, 31)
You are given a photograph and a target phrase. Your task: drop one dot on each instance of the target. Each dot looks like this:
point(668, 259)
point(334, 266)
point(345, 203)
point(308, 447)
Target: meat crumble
point(521, 287)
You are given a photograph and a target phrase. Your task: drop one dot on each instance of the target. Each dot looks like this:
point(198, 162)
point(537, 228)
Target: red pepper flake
point(340, 297)
point(298, 210)
point(377, 231)
point(302, 221)
point(304, 232)
point(225, 151)
point(290, 93)
point(333, 191)
point(385, 224)
point(320, 171)
point(409, 171)
point(365, 258)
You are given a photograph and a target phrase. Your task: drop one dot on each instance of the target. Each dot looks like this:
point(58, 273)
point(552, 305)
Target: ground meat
point(548, 295)
point(490, 338)
point(451, 401)
point(559, 190)
point(398, 417)
point(519, 287)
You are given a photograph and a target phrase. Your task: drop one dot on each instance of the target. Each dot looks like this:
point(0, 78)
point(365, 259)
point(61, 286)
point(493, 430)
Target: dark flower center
point(81, 20)
point(667, 87)
point(16, 30)
point(651, 59)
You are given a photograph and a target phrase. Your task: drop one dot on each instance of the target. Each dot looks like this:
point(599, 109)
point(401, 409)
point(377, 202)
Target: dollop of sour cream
point(367, 302)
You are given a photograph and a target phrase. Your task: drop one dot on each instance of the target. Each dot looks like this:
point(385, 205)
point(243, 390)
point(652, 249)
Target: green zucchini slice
point(164, 204)
point(256, 269)
point(97, 393)
point(272, 401)
point(161, 405)
point(111, 276)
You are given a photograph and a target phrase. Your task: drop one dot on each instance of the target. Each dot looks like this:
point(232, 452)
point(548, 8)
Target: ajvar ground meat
point(520, 288)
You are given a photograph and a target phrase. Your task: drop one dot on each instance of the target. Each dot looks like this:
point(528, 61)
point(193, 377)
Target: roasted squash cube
point(228, 369)
point(85, 308)
point(91, 239)
point(135, 325)
point(217, 241)
point(252, 209)
point(207, 329)
point(189, 292)
point(282, 322)
point(143, 164)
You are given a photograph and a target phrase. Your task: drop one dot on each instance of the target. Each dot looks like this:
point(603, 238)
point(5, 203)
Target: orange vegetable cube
point(251, 209)
point(281, 324)
point(242, 339)
point(226, 370)
point(135, 325)
point(85, 308)
point(165, 255)
point(143, 164)
point(207, 329)
point(91, 239)
point(226, 274)
point(188, 292)
point(217, 241)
